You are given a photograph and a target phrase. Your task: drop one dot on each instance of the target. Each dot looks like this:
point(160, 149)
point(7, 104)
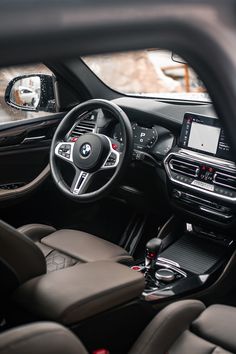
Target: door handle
point(33, 139)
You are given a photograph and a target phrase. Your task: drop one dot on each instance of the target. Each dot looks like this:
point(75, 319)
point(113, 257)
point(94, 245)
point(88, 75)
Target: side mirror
point(31, 93)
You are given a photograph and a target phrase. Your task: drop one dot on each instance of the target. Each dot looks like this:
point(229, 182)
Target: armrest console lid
point(73, 294)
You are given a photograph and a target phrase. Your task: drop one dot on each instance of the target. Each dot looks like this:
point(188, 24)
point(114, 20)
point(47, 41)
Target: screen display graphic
point(204, 134)
point(204, 138)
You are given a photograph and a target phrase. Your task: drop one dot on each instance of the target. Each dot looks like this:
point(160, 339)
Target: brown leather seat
point(64, 248)
point(35, 249)
point(40, 338)
point(183, 327)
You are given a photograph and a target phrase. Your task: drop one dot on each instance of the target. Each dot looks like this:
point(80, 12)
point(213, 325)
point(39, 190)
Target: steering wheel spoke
point(112, 159)
point(81, 182)
point(64, 150)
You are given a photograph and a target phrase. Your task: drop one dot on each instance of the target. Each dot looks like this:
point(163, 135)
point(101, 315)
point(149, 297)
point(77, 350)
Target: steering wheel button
point(115, 146)
point(74, 139)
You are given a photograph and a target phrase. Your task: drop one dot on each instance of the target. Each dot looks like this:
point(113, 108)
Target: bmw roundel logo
point(85, 150)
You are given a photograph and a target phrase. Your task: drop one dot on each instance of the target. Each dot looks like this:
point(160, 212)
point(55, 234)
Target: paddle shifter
point(153, 249)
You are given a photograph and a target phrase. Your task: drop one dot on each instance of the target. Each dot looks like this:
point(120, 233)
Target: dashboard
point(188, 153)
point(198, 163)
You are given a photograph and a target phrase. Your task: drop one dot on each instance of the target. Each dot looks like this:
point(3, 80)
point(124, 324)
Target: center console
point(183, 259)
point(73, 294)
point(200, 170)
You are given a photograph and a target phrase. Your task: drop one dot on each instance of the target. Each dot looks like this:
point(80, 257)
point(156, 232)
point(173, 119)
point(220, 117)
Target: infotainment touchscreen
point(204, 134)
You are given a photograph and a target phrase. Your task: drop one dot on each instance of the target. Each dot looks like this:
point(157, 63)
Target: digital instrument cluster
point(144, 138)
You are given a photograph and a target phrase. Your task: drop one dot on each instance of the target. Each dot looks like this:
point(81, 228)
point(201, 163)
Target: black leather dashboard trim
point(156, 112)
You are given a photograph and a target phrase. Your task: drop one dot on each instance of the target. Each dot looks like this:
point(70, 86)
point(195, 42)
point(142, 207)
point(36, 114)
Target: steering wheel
point(91, 153)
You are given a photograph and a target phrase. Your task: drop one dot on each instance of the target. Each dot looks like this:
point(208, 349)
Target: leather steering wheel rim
point(65, 126)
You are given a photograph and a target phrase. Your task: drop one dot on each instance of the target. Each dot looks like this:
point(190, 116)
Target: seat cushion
point(217, 324)
point(40, 338)
point(167, 326)
point(188, 342)
point(187, 327)
point(85, 247)
point(212, 332)
point(36, 231)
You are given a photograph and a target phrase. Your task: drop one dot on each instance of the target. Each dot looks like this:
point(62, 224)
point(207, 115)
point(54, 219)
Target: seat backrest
point(20, 259)
point(40, 338)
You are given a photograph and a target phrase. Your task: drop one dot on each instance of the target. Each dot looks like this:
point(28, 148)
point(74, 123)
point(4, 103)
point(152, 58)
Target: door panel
point(24, 154)
point(22, 165)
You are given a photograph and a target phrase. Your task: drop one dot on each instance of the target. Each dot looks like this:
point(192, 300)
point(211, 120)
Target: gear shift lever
point(153, 249)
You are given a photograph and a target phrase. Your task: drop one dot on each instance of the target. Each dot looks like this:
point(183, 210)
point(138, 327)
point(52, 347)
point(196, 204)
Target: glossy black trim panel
point(18, 136)
point(31, 121)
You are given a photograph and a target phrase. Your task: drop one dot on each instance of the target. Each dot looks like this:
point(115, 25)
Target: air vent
point(87, 125)
point(225, 179)
point(183, 167)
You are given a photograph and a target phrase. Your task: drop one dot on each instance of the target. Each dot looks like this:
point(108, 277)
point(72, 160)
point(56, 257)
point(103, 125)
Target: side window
point(25, 92)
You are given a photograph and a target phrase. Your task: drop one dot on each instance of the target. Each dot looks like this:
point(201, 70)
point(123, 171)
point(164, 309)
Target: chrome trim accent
point(168, 261)
point(63, 157)
point(168, 277)
point(76, 191)
point(196, 199)
point(216, 213)
point(189, 227)
point(154, 295)
point(112, 151)
point(177, 270)
point(204, 185)
point(196, 156)
point(34, 138)
point(204, 277)
point(222, 184)
point(184, 163)
point(192, 156)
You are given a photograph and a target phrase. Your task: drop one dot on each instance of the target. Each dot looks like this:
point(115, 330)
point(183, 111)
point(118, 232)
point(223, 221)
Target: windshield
point(151, 73)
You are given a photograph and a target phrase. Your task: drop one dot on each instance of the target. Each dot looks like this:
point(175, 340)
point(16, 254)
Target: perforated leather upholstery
point(65, 248)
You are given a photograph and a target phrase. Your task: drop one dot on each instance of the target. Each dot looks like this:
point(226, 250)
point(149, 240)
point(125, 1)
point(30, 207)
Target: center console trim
point(157, 293)
point(193, 157)
point(169, 266)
